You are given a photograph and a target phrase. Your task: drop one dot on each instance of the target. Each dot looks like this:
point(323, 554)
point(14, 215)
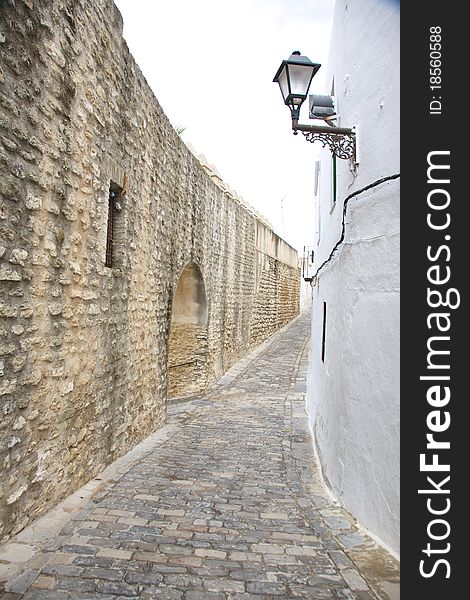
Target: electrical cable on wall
point(343, 225)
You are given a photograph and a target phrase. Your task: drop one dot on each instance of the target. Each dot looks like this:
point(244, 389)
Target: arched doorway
point(187, 346)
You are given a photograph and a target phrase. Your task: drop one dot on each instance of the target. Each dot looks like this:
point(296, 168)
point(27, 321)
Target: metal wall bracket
point(340, 140)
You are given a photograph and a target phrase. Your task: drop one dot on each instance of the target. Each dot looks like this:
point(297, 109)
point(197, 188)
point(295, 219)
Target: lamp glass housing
point(294, 77)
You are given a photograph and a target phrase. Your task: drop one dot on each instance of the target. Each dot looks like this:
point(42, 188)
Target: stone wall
point(83, 347)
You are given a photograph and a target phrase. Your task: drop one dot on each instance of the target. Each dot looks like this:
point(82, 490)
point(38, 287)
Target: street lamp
point(294, 77)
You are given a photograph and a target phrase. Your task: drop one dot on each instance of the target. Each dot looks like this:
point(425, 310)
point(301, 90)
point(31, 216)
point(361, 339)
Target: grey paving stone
point(73, 549)
point(75, 584)
point(41, 595)
point(191, 595)
point(156, 568)
point(144, 578)
point(100, 573)
point(118, 588)
point(22, 581)
point(66, 570)
point(267, 588)
point(186, 582)
point(92, 561)
point(161, 592)
point(223, 585)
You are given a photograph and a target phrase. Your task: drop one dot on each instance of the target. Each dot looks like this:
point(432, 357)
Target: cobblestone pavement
point(227, 505)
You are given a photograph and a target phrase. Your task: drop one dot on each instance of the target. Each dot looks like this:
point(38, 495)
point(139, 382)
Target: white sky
point(210, 64)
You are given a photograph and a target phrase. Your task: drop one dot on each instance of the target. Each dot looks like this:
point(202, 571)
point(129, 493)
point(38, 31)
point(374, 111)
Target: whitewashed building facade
point(353, 389)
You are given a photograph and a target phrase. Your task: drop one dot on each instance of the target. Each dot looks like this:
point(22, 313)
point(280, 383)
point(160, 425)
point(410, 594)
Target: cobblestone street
point(224, 503)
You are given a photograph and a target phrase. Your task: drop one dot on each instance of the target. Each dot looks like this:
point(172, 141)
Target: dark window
point(323, 333)
point(335, 178)
point(114, 208)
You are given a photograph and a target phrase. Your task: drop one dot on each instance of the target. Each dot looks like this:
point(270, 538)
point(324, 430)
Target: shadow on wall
point(187, 345)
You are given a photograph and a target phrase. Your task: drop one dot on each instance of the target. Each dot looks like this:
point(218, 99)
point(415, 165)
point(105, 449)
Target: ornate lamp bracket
point(340, 140)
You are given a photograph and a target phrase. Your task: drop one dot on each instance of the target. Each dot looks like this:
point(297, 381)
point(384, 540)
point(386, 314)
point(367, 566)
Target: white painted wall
point(353, 396)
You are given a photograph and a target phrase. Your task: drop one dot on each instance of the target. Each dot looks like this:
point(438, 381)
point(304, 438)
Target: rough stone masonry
point(102, 207)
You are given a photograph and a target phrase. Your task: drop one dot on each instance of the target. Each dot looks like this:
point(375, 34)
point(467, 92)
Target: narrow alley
point(225, 502)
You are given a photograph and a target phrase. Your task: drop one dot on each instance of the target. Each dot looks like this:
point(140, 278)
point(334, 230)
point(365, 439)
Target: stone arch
point(187, 344)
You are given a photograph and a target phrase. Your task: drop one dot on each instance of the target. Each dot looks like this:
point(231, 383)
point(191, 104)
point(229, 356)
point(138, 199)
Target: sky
point(211, 63)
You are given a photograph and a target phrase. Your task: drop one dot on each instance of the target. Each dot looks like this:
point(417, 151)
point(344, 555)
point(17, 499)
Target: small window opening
point(323, 333)
point(114, 207)
point(334, 178)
